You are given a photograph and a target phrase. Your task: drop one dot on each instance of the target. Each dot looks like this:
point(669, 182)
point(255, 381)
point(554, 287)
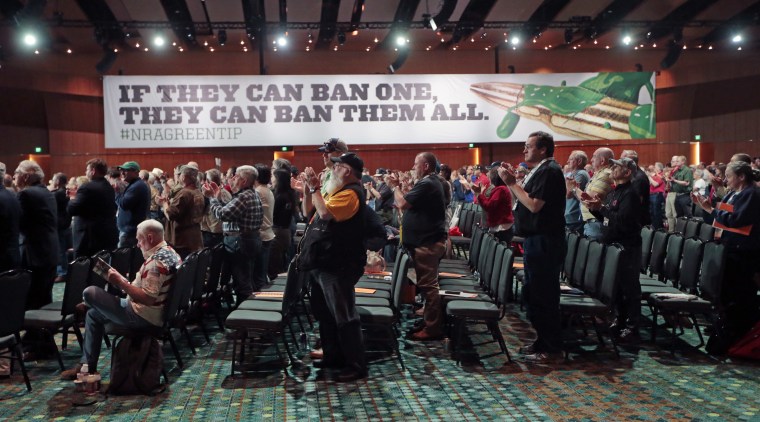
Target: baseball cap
point(332, 145)
point(495, 164)
point(381, 172)
point(129, 165)
point(351, 159)
point(624, 162)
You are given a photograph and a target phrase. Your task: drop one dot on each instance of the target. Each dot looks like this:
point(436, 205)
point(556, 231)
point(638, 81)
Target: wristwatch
point(314, 189)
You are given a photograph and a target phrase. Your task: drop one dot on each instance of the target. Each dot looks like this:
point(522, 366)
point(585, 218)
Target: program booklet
point(101, 268)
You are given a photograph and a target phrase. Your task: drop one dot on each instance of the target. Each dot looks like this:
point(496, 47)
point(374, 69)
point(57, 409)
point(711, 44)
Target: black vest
point(332, 245)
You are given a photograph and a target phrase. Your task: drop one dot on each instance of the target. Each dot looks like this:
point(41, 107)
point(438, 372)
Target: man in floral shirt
point(146, 295)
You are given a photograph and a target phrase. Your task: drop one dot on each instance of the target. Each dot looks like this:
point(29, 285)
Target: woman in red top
point(656, 194)
point(496, 202)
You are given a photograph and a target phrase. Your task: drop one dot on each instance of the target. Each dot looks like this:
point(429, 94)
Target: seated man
point(146, 295)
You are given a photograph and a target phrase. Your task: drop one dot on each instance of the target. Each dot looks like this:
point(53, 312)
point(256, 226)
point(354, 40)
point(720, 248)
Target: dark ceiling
point(84, 26)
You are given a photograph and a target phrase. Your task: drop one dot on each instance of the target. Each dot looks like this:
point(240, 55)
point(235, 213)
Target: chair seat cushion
point(461, 240)
point(481, 297)
point(372, 301)
point(457, 284)
point(245, 319)
point(279, 281)
point(385, 294)
point(260, 305)
point(53, 306)
point(668, 303)
point(648, 290)
point(648, 281)
point(376, 314)
point(582, 304)
point(520, 275)
point(8, 341)
point(38, 318)
point(375, 284)
point(454, 261)
point(472, 309)
point(274, 288)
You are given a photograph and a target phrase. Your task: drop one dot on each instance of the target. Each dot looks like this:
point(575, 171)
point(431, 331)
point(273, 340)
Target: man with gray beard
point(332, 257)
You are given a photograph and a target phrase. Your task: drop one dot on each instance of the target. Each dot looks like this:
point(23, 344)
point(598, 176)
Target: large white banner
point(223, 111)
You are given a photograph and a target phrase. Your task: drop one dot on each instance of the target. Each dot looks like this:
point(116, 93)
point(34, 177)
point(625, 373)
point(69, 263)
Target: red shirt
point(498, 206)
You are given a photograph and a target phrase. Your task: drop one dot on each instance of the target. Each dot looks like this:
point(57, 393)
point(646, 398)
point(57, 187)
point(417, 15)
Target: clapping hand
point(210, 189)
point(592, 203)
point(507, 174)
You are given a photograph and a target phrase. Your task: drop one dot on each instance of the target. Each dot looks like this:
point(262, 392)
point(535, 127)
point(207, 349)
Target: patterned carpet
point(646, 383)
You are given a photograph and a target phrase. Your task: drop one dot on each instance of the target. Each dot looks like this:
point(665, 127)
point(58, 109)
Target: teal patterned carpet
point(646, 383)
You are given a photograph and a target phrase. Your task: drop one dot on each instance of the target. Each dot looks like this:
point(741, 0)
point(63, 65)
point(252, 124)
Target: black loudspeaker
point(109, 56)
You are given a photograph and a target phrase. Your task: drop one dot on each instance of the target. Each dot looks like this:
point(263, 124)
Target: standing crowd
point(253, 210)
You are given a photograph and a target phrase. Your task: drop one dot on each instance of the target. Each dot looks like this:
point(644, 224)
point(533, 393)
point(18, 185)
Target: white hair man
point(146, 294)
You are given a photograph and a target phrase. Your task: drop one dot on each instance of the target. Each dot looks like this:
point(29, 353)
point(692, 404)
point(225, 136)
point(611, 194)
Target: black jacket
point(94, 212)
point(10, 216)
point(39, 227)
point(622, 217)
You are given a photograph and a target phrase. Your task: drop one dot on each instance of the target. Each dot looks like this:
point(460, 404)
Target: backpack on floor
point(136, 366)
point(748, 347)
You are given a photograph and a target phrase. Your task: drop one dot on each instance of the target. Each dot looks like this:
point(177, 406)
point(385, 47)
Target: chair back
point(493, 284)
point(593, 268)
point(486, 248)
point(179, 291)
point(657, 259)
point(608, 285)
point(398, 279)
point(647, 236)
point(15, 285)
point(692, 228)
point(135, 262)
point(487, 271)
point(477, 240)
point(293, 287)
point(204, 259)
point(465, 219)
point(188, 283)
point(121, 261)
point(711, 272)
point(673, 257)
point(215, 268)
point(580, 262)
point(505, 278)
point(681, 224)
point(94, 279)
point(707, 232)
point(77, 278)
point(690, 263)
point(572, 249)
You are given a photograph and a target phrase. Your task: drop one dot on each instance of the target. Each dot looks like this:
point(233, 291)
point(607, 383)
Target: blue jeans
point(64, 244)
point(593, 229)
point(240, 254)
point(656, 201)
point(543, 257)
point(104, 308)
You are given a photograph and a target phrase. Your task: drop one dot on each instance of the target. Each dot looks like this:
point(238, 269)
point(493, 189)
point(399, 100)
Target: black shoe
point(629, 336)
point(325, 364)
point(351, 374)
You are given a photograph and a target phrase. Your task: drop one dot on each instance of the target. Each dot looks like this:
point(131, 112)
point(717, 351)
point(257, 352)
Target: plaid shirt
point(242, 214)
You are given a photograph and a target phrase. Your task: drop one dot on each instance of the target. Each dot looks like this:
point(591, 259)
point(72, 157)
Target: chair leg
point(20, 357)
point(169, 337)
point(78, 334)
point(496, 333)
point(189, 339)
point(654, 323)
point(698, 330)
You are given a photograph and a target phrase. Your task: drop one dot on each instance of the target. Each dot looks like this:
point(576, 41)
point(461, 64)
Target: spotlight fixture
point(400, 59)
point(401, 41)
point(674, 52)
point(105, 63)
point(515, 39)
point(221, 36)
point(736, 38)
point(341, 37)
point(429, 22)
point(159, 41)
point(30, 39)
point(282, 41)
point(627, 39)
